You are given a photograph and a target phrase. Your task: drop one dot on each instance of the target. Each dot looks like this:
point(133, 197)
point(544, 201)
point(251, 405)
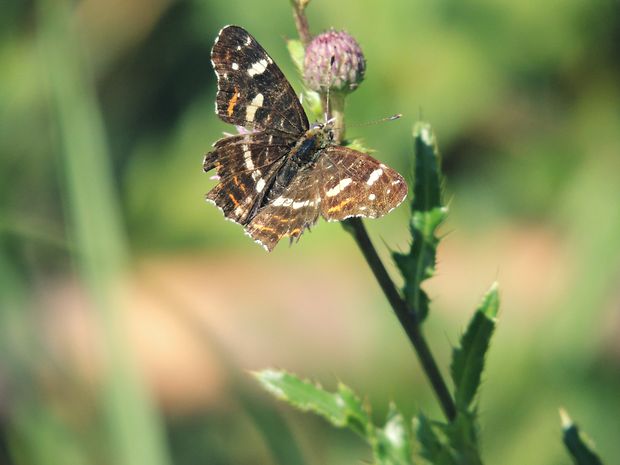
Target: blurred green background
point(131, 312)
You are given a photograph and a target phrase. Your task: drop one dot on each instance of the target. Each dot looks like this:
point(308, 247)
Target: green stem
point(406, 316)
point(333, 102)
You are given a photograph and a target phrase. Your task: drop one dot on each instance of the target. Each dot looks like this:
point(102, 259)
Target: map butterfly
point(279, 175)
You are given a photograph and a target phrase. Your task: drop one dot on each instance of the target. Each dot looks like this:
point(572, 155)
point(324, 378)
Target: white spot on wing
point(338, 187)
point(235, 66)
point(260, 185)
point(254, 105)
point(374, 176)
point(372, 197)
point(258, 68)
point(248, 41)
point(247, 155)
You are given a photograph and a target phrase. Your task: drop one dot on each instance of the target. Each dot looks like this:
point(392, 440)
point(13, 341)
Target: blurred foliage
point(526, 101)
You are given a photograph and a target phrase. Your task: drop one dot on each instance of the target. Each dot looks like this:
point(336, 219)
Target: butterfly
point(279, 175)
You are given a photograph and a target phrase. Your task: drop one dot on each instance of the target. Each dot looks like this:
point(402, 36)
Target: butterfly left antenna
point(376, 121)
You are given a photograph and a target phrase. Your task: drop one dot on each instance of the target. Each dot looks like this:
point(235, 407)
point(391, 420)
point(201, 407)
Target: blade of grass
point(135, 429)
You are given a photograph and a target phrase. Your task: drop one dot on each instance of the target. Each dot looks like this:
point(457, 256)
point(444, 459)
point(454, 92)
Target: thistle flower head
point(334, 60)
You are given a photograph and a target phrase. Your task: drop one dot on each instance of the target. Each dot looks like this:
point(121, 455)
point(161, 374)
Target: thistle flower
point(334, 60)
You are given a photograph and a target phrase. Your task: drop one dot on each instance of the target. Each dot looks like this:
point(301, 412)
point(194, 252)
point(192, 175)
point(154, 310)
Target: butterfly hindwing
point(290, 213)
point(252, 91)
point(355, 184)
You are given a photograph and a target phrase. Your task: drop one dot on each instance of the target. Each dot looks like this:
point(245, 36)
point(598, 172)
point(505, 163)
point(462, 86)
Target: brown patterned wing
point(246, 165)
point(251, 90)
point(355, 184)
point(290, 213)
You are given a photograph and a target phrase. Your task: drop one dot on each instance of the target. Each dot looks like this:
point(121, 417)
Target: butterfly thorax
point(303, 156)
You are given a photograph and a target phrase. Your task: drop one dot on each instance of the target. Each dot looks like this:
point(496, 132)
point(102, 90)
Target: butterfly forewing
point(252, 91)
point(246, 165)
point(355, 184)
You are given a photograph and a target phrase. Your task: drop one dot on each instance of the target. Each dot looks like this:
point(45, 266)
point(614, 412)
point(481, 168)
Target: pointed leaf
point(297, 52)
point(433, 442)
point(468, 359)
point(462, 434)
point(342, 408)
point(427, 214)
point(428, 179)
point(576, 443)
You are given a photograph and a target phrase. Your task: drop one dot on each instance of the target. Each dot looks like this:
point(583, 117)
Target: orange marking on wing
point(232, 102)
point(335, 208)
point(239, 185)
point(295, 231)
point(232, 197)
point(264, 228)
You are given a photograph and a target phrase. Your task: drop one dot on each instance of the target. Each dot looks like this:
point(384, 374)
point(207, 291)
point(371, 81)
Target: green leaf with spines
point(468, 358)
point(427, 214)
point(391, 444)
point(577, 444)
point(296, 50)
point(453, 443)
point(433, 442)
point(310, 98)
point(462, 435)
point(341, 408)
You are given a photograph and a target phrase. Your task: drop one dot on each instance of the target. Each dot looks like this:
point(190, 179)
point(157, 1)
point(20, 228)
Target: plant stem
point(301, 22)
point(406, 316)
point(334, 104)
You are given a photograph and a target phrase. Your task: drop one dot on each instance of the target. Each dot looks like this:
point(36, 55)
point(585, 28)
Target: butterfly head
point(323, 132)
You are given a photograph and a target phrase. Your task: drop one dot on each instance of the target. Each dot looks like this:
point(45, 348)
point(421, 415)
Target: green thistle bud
point(334, 60)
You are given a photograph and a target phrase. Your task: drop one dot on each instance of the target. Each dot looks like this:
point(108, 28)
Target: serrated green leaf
point(468, 359)
point(313, 105)
point(392, 443)
point(297, 52)
point(427, 214)
point(342, 408)
point(310, 99)
point(433, 442)
point(462, 435)
point(577, 444)
point(453, 443)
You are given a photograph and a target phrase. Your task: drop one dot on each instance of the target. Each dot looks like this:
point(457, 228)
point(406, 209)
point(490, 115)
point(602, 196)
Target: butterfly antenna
point(381, 120)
